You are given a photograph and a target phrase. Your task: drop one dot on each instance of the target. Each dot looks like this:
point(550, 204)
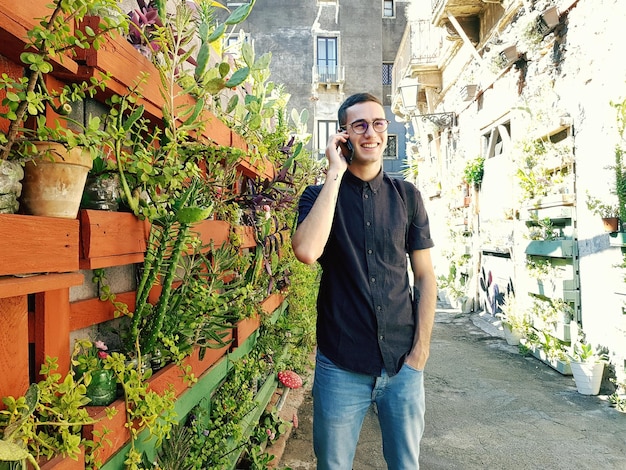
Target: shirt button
point(366, 196)
point(373, 279)
point(368, 223)
point(369, 252)
point(381, 337)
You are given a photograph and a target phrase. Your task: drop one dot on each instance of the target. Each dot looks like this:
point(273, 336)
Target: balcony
point(458, 8)
point(418, 57)
point(328, 75)
point(472, 20)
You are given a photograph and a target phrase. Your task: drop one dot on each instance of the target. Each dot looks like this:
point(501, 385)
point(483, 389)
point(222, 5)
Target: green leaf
point(247, 52)
point(232, 104)
point(238, 77)
point(224, 68)
point(218, 33)
point(202, 60)
point(10, 452)
point(196, 112)
point(240, 14)
point(215, 85)
point(263, 62)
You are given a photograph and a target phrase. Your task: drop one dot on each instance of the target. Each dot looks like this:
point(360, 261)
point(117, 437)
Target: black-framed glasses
point(360, 126)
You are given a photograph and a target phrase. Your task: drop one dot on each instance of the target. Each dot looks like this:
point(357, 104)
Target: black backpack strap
point(408, 195)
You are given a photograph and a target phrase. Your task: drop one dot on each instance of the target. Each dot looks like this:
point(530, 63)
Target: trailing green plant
point(541, 268)
point(145, 409)
point(551, 311)
point(28, 96)
point(619, 167)
point(222, 437)
point(474, 171)
point(542, 229)
point(47, 421)
point(600, 208)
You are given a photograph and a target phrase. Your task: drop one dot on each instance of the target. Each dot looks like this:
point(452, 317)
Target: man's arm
point(426, 282)
point(312, 233)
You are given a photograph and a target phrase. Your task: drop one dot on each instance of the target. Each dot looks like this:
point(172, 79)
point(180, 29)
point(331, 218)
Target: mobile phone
point(349, 151)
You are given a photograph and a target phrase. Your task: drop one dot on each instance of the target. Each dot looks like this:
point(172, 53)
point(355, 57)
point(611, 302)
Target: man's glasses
point(360, 126)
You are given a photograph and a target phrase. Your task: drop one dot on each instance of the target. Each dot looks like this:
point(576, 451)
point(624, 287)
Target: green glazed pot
point(102, 390)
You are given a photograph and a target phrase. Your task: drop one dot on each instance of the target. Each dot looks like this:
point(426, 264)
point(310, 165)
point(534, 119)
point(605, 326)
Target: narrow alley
point(488, 407)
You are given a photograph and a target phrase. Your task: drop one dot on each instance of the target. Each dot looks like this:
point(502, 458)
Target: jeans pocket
point(410, 367)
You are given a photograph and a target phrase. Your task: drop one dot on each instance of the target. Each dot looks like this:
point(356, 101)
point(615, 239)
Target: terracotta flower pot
point(611, 224)
point(54, 182)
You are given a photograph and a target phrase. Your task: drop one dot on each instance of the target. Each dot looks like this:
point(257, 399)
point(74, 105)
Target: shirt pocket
point(394, 249)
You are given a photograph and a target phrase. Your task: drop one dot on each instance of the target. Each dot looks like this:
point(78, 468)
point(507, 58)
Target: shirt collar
point(357, 182)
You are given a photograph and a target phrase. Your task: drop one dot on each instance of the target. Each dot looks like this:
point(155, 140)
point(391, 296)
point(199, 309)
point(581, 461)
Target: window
point(327, 59)
point(324, 130)
point(391, 151)
point(387, 73)
point(388, 9)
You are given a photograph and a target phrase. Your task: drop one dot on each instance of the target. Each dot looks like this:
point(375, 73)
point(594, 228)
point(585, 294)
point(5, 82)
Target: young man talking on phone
point(373, 336)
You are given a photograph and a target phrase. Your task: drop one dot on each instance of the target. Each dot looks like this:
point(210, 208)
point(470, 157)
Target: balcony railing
point(328, 74)
point(422, 46)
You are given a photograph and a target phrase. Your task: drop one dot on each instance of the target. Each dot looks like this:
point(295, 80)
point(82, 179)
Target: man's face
point(363, 121)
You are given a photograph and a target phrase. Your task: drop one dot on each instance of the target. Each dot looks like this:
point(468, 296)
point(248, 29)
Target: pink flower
point(100, 345)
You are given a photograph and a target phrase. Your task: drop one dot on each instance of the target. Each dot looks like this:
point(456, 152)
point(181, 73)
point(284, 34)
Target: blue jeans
point(340, 401)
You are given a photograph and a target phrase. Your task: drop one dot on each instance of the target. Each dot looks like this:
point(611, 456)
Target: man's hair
point(350, 101)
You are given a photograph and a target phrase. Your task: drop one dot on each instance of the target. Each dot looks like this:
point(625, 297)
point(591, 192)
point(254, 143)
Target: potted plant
point(474, 171)
point(514, 319)
point(608, 212)
point(46, 421)
point(88, 363)
point(32, 98)
point(587, 365)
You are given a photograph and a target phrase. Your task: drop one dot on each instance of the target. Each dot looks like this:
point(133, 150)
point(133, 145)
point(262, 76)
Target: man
point(372, 346)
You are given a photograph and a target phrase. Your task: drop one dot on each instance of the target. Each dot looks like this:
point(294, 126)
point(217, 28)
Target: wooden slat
point(12, 286)
point(245, 233)
point(89, 312)
point(109, 261)
point(52, 328)
point(272, 302)
point(14, 378)
point(63, 463)
point(33, 244)
point(105, 234)
point(216, 231)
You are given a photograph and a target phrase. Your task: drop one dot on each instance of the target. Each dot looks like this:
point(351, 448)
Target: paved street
point(488, 407)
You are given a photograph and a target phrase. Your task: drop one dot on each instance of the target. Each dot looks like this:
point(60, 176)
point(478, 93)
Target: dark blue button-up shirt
point(365, 319)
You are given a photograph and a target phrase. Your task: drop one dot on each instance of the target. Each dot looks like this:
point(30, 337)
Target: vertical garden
point(147, 320)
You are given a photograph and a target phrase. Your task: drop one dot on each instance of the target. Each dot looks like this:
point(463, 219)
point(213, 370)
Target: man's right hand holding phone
point(339, 151)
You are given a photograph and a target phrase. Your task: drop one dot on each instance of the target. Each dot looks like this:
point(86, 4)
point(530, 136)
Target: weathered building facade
point(325, 50)
point(531, 90)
